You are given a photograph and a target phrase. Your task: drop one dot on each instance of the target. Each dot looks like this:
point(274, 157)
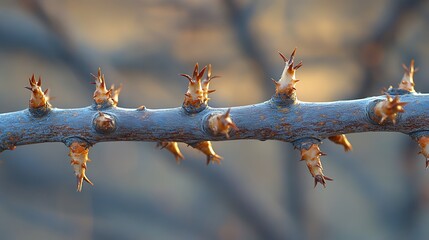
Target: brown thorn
point(186, 76)
point(275, 82)
point(291, 57)
point(283, 57)
point(298, 66)
point(87, 180)
point(195, 74)
point(33, 80)
point(200, 75)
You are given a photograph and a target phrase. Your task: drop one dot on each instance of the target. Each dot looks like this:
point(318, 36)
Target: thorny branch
point(282, 118)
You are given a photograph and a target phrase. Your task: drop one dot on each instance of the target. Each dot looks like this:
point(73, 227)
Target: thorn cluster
point(172, 147)
point(389, 109)
point(286, 84)
point(407, 82)
point(342, 140)
point(38, 98)
point(78, 159)
point(312, 158)
point(194, 97)
point(221, 123)
point(102, 96)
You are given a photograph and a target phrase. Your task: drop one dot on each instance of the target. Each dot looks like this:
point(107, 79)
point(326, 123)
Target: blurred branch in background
point(372, 50)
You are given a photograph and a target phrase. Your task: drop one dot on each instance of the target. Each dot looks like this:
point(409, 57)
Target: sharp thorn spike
point(283, 57)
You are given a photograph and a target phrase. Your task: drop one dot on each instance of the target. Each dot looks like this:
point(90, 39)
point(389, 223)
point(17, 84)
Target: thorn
point(342, 140)
point(172, 147)
point(298, 66)
point(206, 148)
point(87, 180)
point(283, 57)
point(78, 159)
point(195, 74)
point(186, 76)
point(200, 76)
point(275, 82)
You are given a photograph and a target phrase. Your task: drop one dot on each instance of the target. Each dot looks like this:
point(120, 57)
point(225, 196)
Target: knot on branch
point(39, 101)
point(104, 123)
point(285, 86)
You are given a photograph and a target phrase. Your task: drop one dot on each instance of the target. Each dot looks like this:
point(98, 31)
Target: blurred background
point(350, 49)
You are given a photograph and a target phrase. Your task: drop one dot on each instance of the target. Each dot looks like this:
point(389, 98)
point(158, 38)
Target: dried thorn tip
point(342, 140)
point(172, 147)
point(206, 148)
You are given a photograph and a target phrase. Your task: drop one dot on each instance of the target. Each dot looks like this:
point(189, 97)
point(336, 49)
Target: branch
point(282, 118)
point(264, 121)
